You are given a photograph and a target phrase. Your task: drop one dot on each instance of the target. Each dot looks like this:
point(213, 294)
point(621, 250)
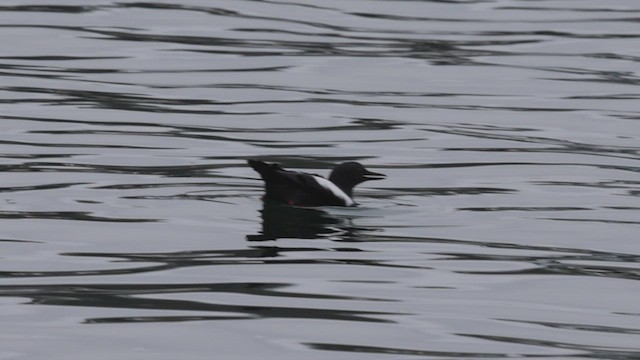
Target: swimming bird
point(302, 189)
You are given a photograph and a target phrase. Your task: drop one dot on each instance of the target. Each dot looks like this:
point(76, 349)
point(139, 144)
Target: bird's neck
point(343, 185)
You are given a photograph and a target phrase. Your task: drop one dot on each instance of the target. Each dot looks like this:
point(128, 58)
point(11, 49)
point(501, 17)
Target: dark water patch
point(553, 258)
point(218, 198)
point(606, 221)
point(414, 18)
point(62, 167)
point(174, 130)
point(604, 184)
point(51, 71)
point(282, 20)
point(123, 133)
point(257, 69)
point(20, 241)
point(491, 128)
point(410, 105)
point(60, 58)
point(121, 101)
point(250, 312)
point(575, 262)
point(88, 202)
point(561, 34)
point(53, 120)
point(266, 255)
point(621, 10)
point(200, 257)
point(69, 9)
point(390, 192)
point(580, 327)
point(554, 251)
point(525, 208)
point(134, 102)
point(606, 97)
point(613, 56)
point(163, 185)
point(351, 92)
point(605, 74)
point(125, 296)
point(630, 153)
point(379, 350)
point(437, 52)
point(83, 273)
point(157, 261)
point(627, 313)
point(38, 70)
point(586, 351)
point(607, 77)
point(569, 269)
point(163, 319)
point(39, 187)
point(425, 165)
point(33, 156)
point(256, 289)
point(307, 162)
point(68, 215)
point(292, 145)
point(560, 145)
point(75, 145)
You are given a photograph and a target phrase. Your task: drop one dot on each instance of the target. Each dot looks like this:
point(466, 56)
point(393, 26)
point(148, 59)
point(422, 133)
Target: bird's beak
point(370, 175)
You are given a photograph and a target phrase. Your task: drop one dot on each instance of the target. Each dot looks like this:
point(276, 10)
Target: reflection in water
point(283, 221)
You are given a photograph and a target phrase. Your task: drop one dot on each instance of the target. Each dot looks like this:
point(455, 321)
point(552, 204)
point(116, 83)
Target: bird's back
point(296, 188)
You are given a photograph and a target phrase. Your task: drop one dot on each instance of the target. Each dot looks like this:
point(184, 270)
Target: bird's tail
point(262, 167)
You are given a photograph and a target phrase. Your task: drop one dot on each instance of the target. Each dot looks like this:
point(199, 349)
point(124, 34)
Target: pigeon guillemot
point(302, 189)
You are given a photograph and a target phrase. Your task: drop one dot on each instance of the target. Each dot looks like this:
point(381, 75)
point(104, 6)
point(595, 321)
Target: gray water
point(132, 228)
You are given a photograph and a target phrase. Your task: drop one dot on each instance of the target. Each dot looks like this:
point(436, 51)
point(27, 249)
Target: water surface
point(132, 228)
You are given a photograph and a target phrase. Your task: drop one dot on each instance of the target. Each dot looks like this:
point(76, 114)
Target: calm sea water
point(132, 228)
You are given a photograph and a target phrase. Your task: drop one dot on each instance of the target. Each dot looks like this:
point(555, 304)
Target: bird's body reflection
point(283, 221)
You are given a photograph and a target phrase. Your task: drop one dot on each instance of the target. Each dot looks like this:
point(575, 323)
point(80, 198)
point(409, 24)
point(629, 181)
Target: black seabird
point(302, 189)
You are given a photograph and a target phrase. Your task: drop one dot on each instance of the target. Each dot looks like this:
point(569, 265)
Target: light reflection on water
point(506, 228)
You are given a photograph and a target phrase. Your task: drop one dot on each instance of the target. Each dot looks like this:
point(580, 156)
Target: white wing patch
point(327, 184)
